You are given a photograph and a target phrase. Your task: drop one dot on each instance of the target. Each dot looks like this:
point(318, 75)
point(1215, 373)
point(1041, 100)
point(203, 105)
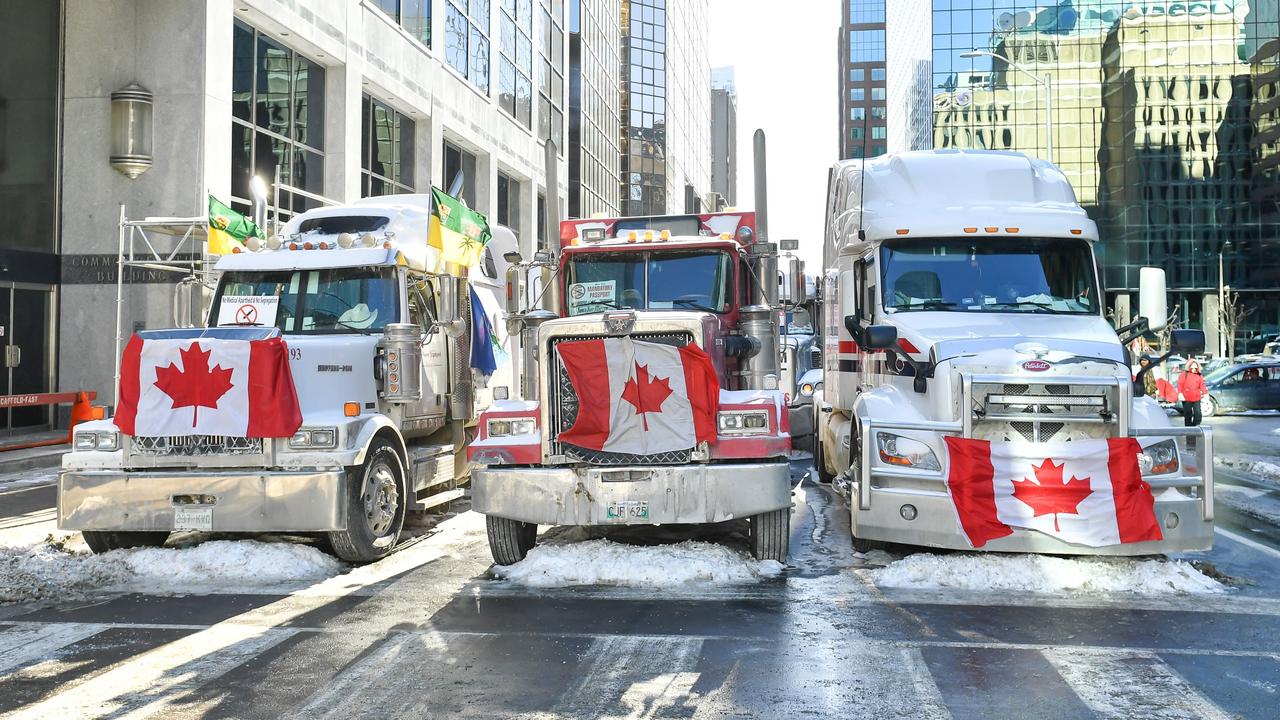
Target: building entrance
point(26, 351)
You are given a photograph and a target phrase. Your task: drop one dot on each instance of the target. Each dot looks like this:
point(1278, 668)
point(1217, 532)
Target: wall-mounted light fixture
point(131, 129)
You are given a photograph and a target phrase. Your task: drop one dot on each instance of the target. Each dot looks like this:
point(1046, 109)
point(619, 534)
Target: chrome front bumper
point(691, 494)
point(147, 501)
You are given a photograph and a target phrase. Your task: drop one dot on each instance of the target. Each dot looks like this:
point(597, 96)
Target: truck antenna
point(862, 179)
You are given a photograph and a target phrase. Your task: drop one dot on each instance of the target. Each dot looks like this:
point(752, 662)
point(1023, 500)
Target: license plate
point(628, 511)
point(193, 519)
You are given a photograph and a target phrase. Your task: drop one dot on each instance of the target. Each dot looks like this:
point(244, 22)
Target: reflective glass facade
point(386, 149)
point(1159, 115)
point(594, 124)
point(644, 107)
point(862, 79)
point(413, 15)
point(466, 40)
point(515, 60)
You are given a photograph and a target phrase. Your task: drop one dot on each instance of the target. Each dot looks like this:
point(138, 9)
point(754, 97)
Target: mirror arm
point(1134, 330)
point(1139, 388)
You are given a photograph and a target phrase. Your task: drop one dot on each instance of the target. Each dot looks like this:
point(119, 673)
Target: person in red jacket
point(1191, 389)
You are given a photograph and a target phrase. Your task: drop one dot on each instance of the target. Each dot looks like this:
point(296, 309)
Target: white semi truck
point(962, 300)
point(378, 341)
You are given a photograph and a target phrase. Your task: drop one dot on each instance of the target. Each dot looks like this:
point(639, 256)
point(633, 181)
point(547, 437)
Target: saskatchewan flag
point(458, 232)
point(228, 228)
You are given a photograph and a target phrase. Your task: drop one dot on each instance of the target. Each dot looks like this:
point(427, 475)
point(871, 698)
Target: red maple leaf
point(195, 386)
point(647, 395)
point(1049, 494)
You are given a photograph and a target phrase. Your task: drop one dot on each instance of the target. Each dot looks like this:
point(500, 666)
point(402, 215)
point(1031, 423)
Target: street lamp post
point(1046, 82)
point(1222, 302)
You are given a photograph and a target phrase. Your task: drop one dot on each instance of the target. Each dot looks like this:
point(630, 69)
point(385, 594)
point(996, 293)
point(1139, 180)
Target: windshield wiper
point(1025, 303)
point(927, 305)
point(692, 304)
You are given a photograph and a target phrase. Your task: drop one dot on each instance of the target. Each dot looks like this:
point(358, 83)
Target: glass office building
point(863, 117)
point(1162, 118)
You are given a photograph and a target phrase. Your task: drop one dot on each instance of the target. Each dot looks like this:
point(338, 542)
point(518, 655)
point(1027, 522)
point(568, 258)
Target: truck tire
point(100, 541)
point(376, 497)
point(510, 540)
point(771, 535)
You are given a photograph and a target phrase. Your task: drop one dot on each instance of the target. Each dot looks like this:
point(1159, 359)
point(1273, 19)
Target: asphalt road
point(430, 633)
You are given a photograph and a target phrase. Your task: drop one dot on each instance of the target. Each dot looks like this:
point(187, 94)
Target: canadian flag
point(1087, 492)
point(640, 397)
point(236, 388)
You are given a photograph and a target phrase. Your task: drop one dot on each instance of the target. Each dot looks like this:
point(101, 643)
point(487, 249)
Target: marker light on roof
point(324, 245)
point(632, 236)
point(253, 243)
point(993, 229)
point(369, 240)
point(648, 234)
point(346, 240)
point(725, 236)
point(308, 246)
point(664, 235)
point(274, 242)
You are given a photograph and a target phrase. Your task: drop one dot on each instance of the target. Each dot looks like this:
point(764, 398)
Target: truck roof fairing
point(308, 259)
point(954, 193)
point(738, 226)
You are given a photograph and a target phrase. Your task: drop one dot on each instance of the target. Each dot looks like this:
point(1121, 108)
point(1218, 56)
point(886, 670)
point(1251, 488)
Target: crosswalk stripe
point(158, 678)
point(641, 676)
point(23, 645)
point(1131, 684)
point(389, 671)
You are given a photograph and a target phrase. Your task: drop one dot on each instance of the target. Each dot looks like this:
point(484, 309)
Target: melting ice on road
point(1041, 574)
point(52, 571)
point(601, 562)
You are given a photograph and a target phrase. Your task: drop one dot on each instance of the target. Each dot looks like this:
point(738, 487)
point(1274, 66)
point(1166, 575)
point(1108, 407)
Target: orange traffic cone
point(81, 411)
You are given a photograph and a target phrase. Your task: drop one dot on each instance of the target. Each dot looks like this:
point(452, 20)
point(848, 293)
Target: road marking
point(24, 644)
point(156, 679)
point(1131, 684)
point(641, 676)
point(928, 700)
point(1247, 541)
point(1099, 649)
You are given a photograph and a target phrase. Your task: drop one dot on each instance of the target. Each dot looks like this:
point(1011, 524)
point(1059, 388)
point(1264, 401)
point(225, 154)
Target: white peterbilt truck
point(378, 343)
point(962, 298)
point(708, 281)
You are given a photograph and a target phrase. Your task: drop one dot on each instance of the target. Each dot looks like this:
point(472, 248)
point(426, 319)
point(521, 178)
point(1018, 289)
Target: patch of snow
point(1249, 464)
point(28, 478)
point(58, 568)
point(601, 562)
point(1043, 574)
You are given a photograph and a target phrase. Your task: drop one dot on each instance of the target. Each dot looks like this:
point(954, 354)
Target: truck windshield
point(666, 280)
point(1004, 274)
point(339, 300)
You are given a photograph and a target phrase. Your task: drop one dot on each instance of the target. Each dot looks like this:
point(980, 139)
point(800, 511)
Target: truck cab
point(963, 300)
point(378, 339)
point(702, 285)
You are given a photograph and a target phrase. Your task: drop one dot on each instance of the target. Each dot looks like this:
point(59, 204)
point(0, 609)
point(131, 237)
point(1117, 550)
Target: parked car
point(1242, 386)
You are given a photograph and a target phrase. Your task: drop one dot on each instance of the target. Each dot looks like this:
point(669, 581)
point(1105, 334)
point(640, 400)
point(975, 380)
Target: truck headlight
point(320, 438)
point(743, 422)
point(905, 452)
point(1159, 459)
point(505, 427)
point(100, 440)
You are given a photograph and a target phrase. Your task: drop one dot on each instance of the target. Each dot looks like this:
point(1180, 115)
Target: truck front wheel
point(376, 498)
point(510, 540)
point(771, 535)
point(100, 541)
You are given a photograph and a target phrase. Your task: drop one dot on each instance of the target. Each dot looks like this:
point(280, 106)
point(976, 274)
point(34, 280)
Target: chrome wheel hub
point(380, 500)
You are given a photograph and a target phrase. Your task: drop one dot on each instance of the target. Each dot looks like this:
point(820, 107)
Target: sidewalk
point(31, 458)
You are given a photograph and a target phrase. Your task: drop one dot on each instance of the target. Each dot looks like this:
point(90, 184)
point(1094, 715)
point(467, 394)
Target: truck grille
point(563, 405)
point(1043, 412)
point(195, 445)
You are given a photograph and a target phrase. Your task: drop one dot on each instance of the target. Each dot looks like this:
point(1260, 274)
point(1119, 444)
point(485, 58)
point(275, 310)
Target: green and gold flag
point(228, 228)
point(458, 232)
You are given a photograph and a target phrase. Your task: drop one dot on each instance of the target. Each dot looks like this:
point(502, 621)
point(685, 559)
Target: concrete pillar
point(1211, 318)
point(436, 153)
point(486, 186)
point(423, 152)
point(219, 36)
point(342, 127)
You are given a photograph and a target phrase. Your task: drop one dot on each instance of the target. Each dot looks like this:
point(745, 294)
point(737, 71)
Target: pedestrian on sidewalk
point(1149, 387)
point(1191, 389)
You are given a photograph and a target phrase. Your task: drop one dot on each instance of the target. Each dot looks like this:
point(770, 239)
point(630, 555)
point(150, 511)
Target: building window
point(878, 133)
point(879, 113)
point(877, 93)
point(866, 46)
point(857, 113)
point(551, 74)
point(459, 163)
point(508, 205)
point(857, 75)
point(277, 120)
point(386, 150)
point(515, 60)
point(856, 133)
point(413, 15)
point(466, 30)
point(862, 12)
point(644, 85)
point(877, 74)
point(857, 94)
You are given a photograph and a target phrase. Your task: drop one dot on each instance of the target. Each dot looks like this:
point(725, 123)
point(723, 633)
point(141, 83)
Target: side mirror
point(1153, 301)
point(881, 337)
point(795, 281)
point(447, 314)
point(1187, 341)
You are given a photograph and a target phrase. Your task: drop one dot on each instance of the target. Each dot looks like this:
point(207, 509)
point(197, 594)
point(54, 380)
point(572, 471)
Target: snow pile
point(53, 569)
point(1251, 465)
point(28, 478)
point(1041, 574)
point(601, 562)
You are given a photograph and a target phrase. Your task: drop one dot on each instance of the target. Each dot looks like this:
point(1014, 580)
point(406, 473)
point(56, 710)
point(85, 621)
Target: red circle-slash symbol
point(247, 315)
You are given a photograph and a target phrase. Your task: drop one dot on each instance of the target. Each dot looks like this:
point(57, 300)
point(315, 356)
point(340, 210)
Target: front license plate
point(193, 519)
point(628, 511)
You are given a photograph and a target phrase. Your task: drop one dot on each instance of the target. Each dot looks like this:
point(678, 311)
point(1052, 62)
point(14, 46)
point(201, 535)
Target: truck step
point(437, 499)
point(432, 466)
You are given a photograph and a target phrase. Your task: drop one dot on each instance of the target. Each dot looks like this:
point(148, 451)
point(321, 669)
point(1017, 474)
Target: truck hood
point(947, 335)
